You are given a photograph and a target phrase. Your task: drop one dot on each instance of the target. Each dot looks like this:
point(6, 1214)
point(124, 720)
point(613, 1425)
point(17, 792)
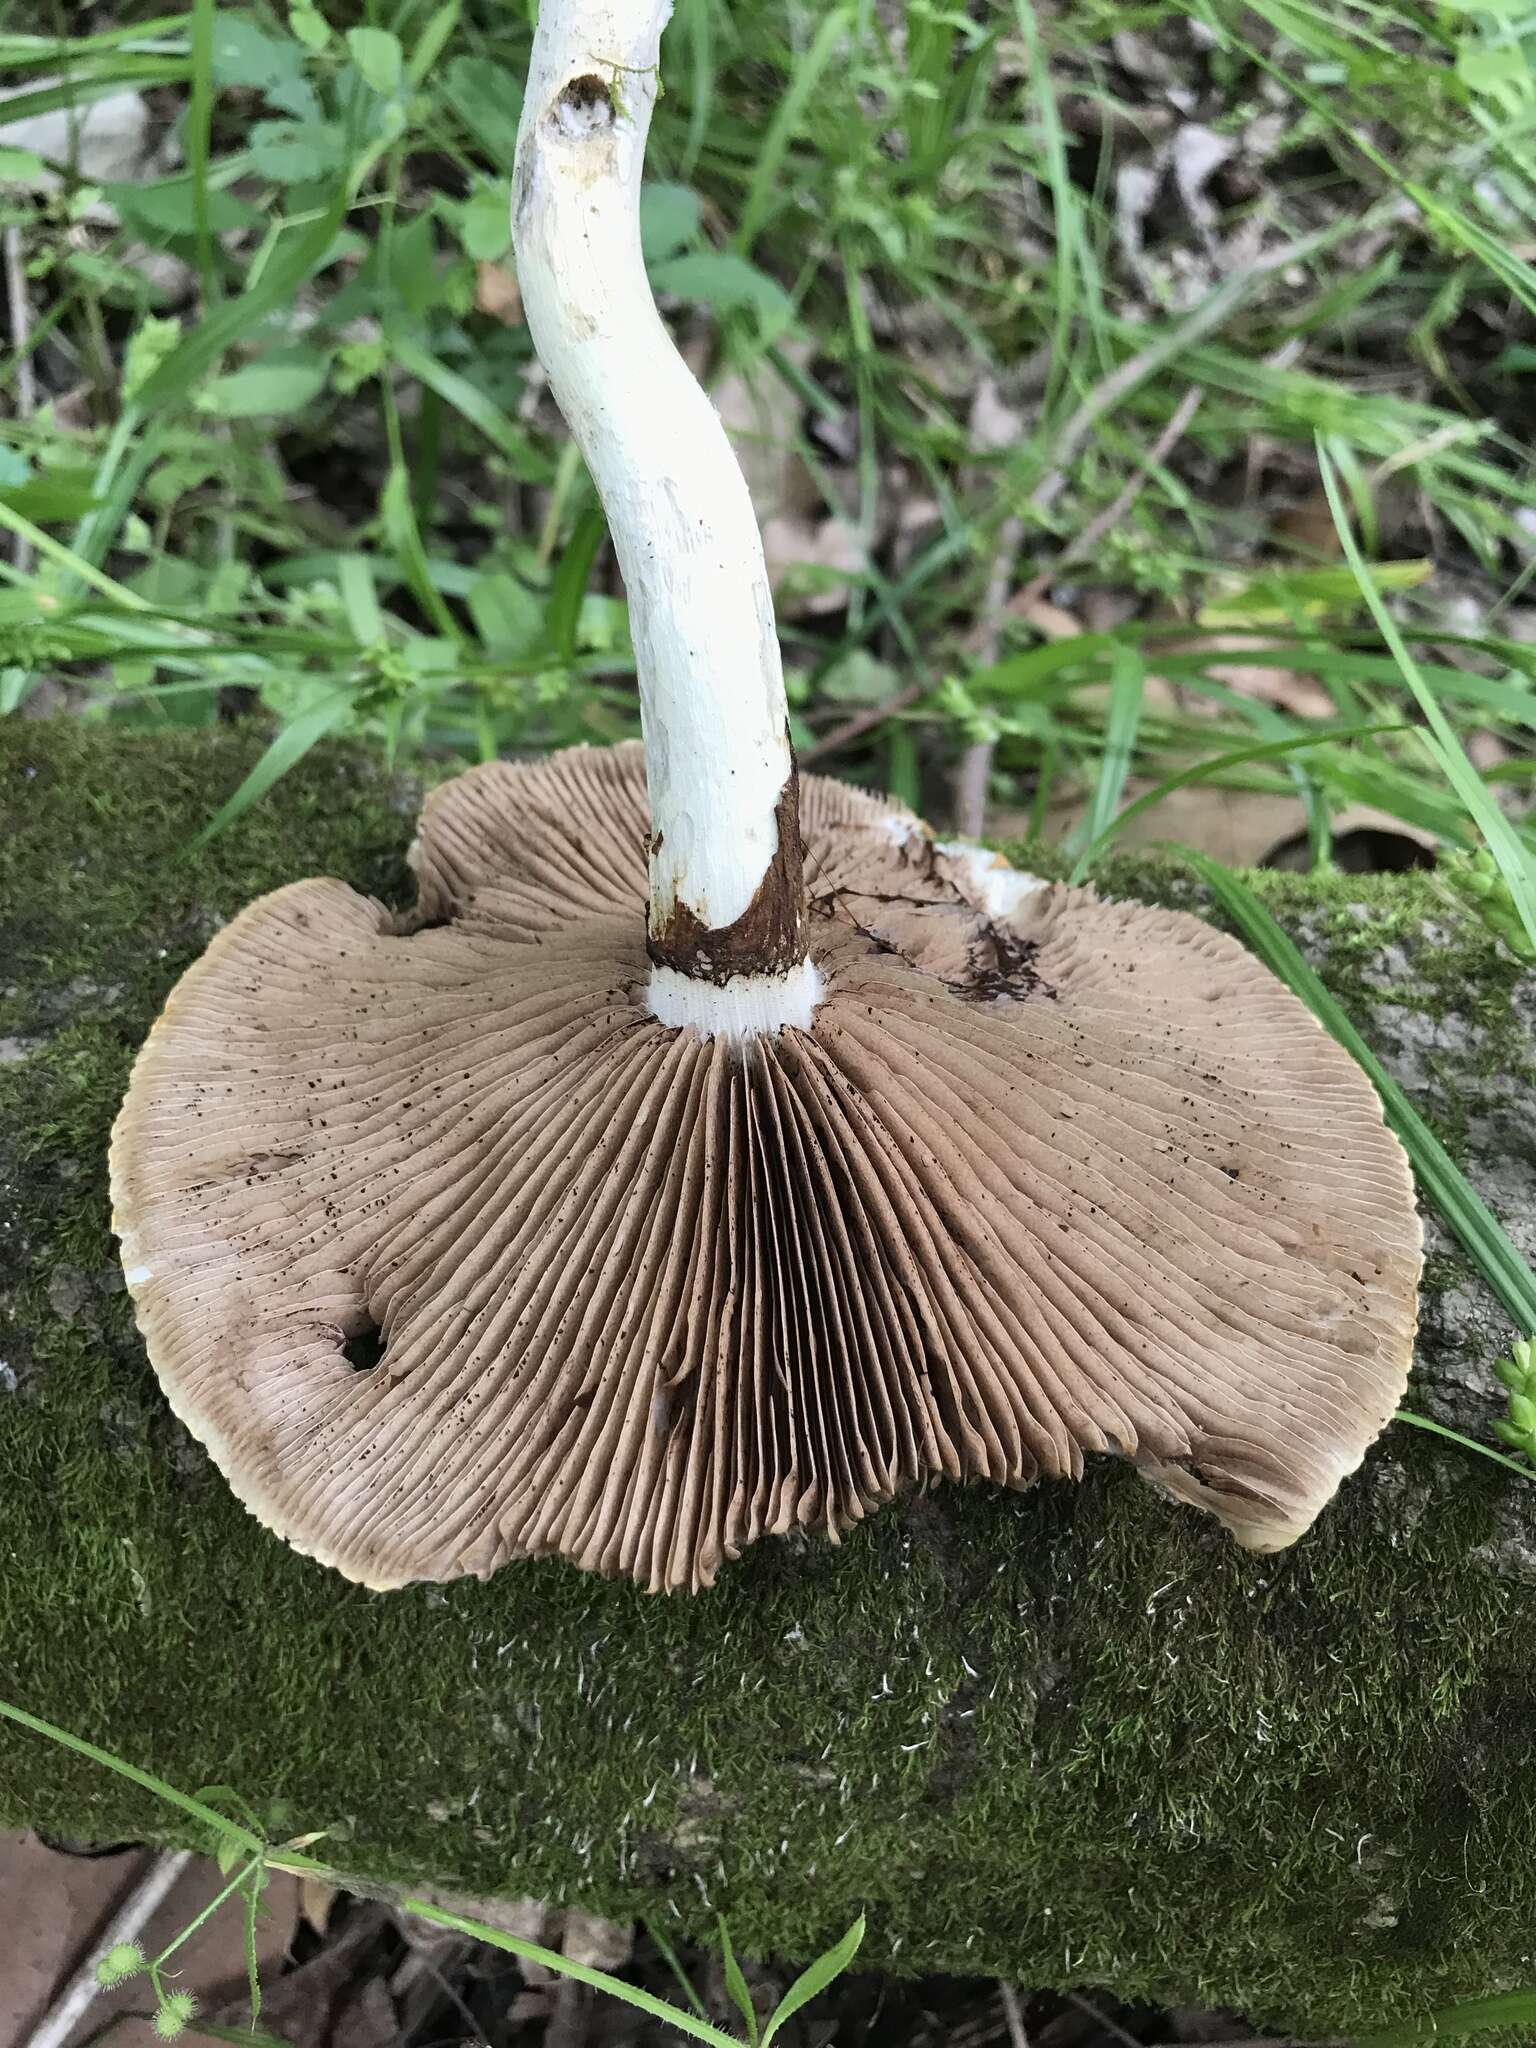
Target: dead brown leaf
point(497, 293)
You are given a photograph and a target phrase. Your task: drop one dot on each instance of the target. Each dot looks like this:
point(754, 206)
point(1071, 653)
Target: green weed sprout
point(1476, 879)
point(124, 1960)
point(1518, 1372)
point(241, 1849)
point(177, 2009)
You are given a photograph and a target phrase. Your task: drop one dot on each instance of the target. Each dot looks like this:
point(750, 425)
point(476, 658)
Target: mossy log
point(1068, 1736)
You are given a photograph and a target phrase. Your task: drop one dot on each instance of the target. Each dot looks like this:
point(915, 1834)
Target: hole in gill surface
point(584, 108)
point(406, 924)
point(365, 1349)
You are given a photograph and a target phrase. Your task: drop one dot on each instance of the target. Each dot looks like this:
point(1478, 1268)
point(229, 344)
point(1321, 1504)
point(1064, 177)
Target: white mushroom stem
point(725, 846)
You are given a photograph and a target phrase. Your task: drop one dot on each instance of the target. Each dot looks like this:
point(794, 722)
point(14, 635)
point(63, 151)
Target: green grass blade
point(52, 50)
point(360, 599)
point(570, 581)
point(736, 1984)
point(512, 1945)
point(1462, 1208)
point(1066, 204)
point(220, 1823)
point(815, 1978)
point(397, 515)
point(1128, 682)
point(484, 414)
point(198, 127)
point(82, 88)
point(241, 2037)
point(669, 1956)
point(66, 558)
point(285, 752)
point(299, 253)
point(1476, 2016)
point(1216, 765)
point(1518, 1466)
point(1447, 750)
point(698, 27)
point(765, 187)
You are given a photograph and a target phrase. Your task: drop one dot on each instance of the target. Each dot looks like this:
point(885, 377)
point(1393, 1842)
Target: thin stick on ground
point(1209, 316)
point(1111, 2027)
point(976, 762)
point(861, 722)
point(1013, 2013)
point(1106, 521)
point(126, 1924)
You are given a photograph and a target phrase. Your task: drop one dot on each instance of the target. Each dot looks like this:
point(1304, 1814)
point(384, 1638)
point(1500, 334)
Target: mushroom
point(710, 1157)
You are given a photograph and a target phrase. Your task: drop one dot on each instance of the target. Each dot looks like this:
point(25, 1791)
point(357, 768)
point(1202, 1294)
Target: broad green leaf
point(308, 24)
point(859, 677)
point(488, 99)
point(508, 616)
point(815, 1978)
point(168, 209)
point(296, 152)
point(377, 55)
point(250, 57)
point(485, 223)
point(727, 283)
point(414, 275)
point(22, 167)
point(262, 388)
point(295, 256)
point(54, 496)
point(16, 685)
point(669, 219)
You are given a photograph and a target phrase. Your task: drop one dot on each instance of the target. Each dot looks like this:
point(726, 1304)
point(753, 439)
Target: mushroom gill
point(1045, 1176)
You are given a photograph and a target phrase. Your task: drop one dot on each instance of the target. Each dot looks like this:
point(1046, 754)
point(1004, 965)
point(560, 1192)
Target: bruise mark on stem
point(768, 937)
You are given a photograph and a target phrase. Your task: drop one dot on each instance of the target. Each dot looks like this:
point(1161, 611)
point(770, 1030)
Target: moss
point(1066, 1736)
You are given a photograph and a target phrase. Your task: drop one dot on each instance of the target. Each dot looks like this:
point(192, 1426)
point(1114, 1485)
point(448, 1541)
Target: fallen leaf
point(498, 293)
point(600, 1944)
point(993, 425)
point(316, 1898)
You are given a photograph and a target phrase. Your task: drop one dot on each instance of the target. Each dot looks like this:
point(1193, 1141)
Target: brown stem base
point(768, 937)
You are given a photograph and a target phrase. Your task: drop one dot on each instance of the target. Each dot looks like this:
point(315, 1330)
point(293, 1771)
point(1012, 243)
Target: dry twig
point(126, 1924)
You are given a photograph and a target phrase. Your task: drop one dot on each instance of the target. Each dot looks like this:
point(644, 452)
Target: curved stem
point(726, 893)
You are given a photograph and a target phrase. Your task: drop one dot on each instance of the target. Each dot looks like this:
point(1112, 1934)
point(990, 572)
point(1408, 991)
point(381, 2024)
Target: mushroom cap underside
point(1046, 1176)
